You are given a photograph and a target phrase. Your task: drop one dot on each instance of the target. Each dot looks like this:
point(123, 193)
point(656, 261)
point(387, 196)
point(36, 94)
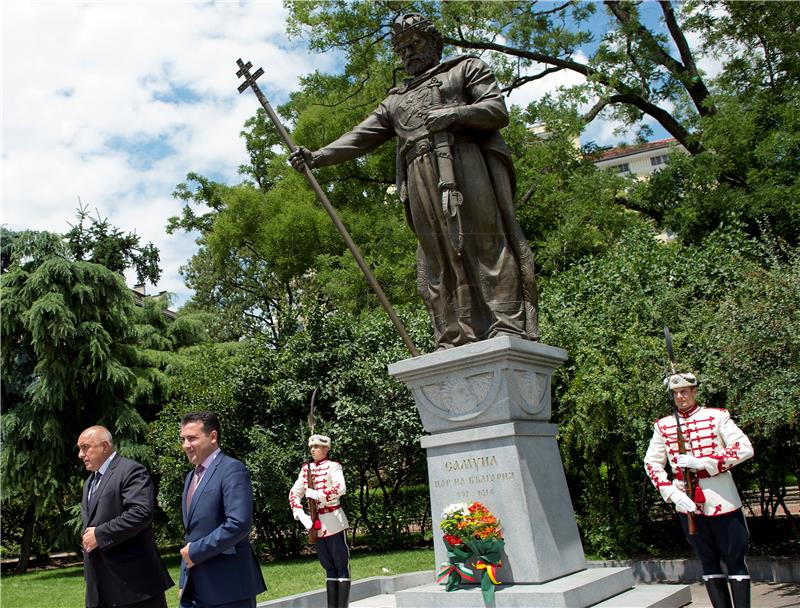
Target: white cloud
point(115, 102)
point(537, 89)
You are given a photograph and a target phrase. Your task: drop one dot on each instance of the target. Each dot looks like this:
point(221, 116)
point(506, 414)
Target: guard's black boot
point(344, 594)
point(332, 591)
point(717, 589)
point(740, 590)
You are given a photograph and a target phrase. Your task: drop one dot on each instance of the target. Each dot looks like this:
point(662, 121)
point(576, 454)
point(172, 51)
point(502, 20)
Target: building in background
point(140, 295)
point(640, 160)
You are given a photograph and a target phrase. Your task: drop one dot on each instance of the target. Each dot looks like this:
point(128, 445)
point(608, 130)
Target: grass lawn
point(64, 588)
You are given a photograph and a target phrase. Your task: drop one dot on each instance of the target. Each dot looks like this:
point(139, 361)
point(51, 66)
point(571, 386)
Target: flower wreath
point(471, 531)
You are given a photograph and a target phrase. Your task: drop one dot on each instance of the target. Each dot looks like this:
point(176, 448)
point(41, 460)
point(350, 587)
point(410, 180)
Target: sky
point(110, 104)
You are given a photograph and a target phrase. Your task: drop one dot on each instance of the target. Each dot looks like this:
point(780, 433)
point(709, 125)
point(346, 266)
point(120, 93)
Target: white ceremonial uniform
point(710, 435)
point(328, 479)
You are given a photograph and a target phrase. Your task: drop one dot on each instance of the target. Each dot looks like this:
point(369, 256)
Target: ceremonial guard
point(703, 443)
point(321, 481)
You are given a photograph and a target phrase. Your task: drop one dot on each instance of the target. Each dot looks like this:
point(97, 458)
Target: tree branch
point(626, 93)
point(666, 119)
point(693, 83)
point(521, 80)
point(358, 89)
point(661, 56)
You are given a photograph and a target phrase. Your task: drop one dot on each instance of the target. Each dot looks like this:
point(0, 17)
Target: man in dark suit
point(120, 561)
point(219, 568)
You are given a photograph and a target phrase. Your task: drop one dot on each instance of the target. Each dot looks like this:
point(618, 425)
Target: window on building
point(623, 168)
point(659, 160)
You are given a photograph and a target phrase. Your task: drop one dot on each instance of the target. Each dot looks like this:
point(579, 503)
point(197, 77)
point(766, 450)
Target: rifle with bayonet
point(312, 504)
point(687, 473)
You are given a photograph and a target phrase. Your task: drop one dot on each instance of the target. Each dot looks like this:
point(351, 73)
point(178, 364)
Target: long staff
point(312, 504)
point(250, 82)
point(687, 474)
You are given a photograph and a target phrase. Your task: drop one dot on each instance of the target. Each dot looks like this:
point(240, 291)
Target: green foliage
point(205, 382)
point(569, 210)
point(104, 244)
point(751, 142)
point(755, 369)
point(271, 268)
point(262, 395)
point(609, 313)
point(634, 70)
point(68, 337)
point(77, 351)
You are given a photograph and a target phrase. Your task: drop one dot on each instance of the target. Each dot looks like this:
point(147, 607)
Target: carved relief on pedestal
point(532, 387)
point(459, 396)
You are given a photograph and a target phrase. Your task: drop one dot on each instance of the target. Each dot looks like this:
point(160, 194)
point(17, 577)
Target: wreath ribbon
point(448, 568)
point(491, 569)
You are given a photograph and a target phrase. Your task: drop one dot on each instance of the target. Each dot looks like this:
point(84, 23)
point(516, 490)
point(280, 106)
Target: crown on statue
point(410, 22)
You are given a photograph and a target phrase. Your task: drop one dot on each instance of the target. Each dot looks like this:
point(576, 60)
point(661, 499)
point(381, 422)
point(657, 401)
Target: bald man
point(121, 565)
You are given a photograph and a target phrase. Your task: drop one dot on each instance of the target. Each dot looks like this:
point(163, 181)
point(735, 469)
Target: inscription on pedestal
point(472, 478)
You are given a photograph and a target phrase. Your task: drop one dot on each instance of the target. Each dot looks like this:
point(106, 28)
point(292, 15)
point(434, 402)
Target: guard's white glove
point(303, 519)
point(685, 461)
point(683, 503)
point(312, 494)
point(679, 485)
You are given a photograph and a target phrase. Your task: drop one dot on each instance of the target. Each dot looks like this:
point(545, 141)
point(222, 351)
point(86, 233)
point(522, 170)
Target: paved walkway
point(764, 595)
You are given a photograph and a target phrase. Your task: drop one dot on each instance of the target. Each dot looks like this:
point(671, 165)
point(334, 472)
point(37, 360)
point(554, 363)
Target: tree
point(262, 395)
point(77, 351)
point(607, 285)
point(740, 127)
point(66, 359)
point(262, 253)
point(104, 244)
point(725, 310)
point(570, 211)
point(753, 367)
point(634, 69)
point(255, 248)
point(751, 145)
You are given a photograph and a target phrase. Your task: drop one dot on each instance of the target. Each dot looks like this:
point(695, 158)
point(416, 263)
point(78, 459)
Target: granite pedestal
point(486, 406)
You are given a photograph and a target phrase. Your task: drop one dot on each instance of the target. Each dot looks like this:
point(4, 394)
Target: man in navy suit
point(120, 562)
point(218, 567)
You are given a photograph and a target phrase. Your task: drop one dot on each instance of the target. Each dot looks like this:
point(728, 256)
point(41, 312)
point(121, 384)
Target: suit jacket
point(125, 568)
point(218, 525)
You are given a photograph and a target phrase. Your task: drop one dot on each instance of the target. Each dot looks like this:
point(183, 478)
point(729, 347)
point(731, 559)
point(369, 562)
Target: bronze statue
point(455, 177)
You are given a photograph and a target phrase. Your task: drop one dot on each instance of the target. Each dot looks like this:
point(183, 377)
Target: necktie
point(193, 485)
point(95, 481)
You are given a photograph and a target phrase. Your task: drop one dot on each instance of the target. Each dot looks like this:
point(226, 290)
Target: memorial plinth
point(487, 408)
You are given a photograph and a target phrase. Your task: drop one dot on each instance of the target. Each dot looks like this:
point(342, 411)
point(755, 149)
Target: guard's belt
point(701, 474)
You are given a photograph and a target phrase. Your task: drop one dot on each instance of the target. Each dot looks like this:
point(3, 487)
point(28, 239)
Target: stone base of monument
point(611, 588)
point(486, 406)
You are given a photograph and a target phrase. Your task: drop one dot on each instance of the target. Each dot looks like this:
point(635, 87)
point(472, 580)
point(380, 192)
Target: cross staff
point(250, 82)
